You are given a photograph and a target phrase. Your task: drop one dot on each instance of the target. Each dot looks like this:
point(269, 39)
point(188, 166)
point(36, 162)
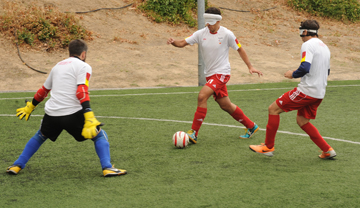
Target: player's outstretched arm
point(30, 106)
point(246, 60)
point(177, 43)
point(289, 74)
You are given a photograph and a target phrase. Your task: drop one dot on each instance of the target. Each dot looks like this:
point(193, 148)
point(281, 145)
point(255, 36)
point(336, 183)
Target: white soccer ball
point(180, 139)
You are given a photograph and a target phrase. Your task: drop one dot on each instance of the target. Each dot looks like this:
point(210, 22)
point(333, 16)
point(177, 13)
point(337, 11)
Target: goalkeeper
point(68, 108)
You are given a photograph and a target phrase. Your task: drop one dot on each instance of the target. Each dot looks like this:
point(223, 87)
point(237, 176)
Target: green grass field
point(219, 171)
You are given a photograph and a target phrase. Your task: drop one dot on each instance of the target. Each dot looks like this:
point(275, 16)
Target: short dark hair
point(311, 25)
point(213, 10)
point(76, 47)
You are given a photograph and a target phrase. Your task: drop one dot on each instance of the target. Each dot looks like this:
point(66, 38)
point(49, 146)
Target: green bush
point(41, 26)
point(172, 11)
point(25, 36)
point(337, 9)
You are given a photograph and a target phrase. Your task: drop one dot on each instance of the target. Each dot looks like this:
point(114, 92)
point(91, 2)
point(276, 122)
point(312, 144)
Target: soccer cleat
point(13, 170)
point(262, 149)
point(113, 172)
point(192, 136)
point(249, 132)
point(328, 155)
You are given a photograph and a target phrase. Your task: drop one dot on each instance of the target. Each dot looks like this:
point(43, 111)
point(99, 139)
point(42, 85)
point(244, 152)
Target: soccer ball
point(180, 139)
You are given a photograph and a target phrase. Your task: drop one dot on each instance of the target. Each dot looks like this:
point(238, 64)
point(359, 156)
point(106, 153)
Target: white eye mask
point(309, 30)
point(212, 18)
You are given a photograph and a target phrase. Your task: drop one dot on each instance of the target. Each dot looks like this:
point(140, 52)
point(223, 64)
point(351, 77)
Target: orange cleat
point(262, 149)
point(328, 155)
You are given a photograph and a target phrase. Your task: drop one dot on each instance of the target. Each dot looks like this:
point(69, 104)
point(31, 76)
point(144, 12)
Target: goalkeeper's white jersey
point(215, 49)
point(63, 81)
point(314, 83)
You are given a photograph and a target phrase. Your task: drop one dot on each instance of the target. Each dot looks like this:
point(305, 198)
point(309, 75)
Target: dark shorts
point(52, 126)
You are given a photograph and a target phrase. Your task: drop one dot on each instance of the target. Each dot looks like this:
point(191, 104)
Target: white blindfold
point(211, 19)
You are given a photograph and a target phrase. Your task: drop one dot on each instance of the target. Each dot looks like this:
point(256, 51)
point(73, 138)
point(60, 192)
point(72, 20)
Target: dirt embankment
point(129, 50)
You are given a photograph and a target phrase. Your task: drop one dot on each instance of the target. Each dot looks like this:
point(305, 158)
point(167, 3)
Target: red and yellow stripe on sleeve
point(87, 79)
point(303, 56)
point(237, 43)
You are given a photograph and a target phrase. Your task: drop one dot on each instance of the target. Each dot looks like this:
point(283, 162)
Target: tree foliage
point(348, 10)
point(172, 11)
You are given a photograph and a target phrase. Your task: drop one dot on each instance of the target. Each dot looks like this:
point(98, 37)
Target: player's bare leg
point(200, 113)
point(226, 104)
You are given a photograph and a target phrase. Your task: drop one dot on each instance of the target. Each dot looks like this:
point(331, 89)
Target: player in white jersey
point(214, 42)
point(306, 98)
point(67, 109)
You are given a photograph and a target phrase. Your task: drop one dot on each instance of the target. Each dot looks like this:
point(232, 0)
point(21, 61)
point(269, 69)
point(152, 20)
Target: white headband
point(212, 18)
point(309, 30)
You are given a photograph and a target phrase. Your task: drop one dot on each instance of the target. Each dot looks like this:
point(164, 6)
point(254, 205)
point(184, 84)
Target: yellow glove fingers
point(20, 115)
point(26, 111)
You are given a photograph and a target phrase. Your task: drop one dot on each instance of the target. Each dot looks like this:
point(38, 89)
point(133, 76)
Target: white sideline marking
point(209, 124)
point(179, 93)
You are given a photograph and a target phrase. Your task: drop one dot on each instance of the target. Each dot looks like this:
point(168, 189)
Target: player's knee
point(202, 99)
point(301, 121)
point(226, 107)
point(39, 137)
point(270, 108)
point(101, 135)
point(274, 109)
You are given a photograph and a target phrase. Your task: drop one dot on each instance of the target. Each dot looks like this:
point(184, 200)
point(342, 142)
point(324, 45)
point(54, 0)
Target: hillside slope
point(129, 50)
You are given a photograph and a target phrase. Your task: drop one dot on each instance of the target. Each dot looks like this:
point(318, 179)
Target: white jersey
point(314, 83)
point(215, 49)
point(63, 82)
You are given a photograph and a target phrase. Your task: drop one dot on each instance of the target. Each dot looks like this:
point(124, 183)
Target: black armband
point(35, 102)
point(86, 106)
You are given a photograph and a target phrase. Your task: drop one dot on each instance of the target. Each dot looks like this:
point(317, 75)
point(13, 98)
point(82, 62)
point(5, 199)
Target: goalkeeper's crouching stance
point(67, 109)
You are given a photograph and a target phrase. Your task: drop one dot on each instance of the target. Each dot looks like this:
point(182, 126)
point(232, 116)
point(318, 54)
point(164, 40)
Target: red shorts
point(217, 82)
point(296, 100)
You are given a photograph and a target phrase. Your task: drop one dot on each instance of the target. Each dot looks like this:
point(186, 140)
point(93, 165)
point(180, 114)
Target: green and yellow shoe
point(191, 133)
point(249, 132)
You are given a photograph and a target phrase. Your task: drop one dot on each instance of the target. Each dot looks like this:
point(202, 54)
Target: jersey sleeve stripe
point(87, 79)
point(237, 43)
point(303, 56)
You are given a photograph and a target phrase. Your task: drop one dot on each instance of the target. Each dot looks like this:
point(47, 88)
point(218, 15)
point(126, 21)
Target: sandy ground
point(143, 59)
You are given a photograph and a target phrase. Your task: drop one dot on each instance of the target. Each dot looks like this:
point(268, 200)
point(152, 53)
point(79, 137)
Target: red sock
point(271, 129)
point(198, 119)
point(315, 136)
point(239, 116)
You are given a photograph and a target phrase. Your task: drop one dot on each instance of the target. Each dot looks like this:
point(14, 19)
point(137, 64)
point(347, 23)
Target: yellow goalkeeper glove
point(26, 111)
point(90, 131)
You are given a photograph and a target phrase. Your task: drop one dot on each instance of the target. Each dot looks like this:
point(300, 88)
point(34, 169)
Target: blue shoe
point(249, 132)
point(191, 133)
